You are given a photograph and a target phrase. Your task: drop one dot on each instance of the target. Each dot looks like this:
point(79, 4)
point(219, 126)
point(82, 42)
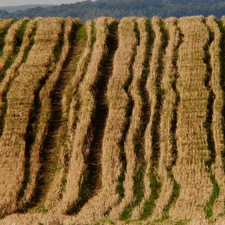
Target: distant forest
point(120, 8)
point(11, 9)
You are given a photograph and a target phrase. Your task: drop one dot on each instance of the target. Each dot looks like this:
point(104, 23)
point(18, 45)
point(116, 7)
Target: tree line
point(120, 8)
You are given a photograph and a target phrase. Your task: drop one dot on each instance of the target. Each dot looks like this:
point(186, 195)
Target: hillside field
point(112, 122)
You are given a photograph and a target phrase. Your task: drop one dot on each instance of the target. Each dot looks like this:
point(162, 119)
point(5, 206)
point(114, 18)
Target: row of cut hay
point(12, 72)
point(10, 43)
point(190, 170)
point(82, 135)
point(81, 68)
point(78, 42)
point(217, 119)
point(152, 92)
point(20, 101)
point(208, 124)
point(117, 100)
point(63, 144)
point(130, 145)
point(44, 117)
point(169, 105)
point(4, 26)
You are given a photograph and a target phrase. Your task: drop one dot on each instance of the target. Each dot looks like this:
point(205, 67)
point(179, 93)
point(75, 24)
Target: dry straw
point(217, 119)
point(10, 42)
point(45, 114)
point(12, 72)
point(5, 23)
point(84, 59)
point(118, 101)
point(61, 73)
point(190, 170)
point(168, 107)
point(87, 108)
point(151, 88)
point(20, 100)
point(77, 76)
point(129, 146)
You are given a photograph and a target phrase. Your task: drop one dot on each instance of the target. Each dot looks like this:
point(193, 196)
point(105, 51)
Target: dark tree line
point(120, 8)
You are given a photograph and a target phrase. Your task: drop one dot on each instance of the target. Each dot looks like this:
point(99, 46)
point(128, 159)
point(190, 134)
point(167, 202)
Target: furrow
point(8, 68)
point(133, 140)
point(168, 121)
point(190, 170)
point(152, 135)
point(83, 135)
point(217, 206)
point(116, 125)
point(20, 100)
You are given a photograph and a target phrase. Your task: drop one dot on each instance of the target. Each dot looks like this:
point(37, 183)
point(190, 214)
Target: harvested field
point(112, 122)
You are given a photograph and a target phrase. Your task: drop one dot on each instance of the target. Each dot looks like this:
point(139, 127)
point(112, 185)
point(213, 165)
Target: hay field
point(112, 122)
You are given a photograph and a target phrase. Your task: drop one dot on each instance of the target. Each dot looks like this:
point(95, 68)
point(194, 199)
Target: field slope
point(109, 122)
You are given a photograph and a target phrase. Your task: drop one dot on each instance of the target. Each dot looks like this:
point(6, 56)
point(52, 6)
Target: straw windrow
point(190, 170)
point(20, 98)
point(112, 146)
point(83, 135)
point(168, 146)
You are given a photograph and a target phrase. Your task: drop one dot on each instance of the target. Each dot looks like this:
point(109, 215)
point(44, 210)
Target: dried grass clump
point(190, 170)
point(20, 101)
